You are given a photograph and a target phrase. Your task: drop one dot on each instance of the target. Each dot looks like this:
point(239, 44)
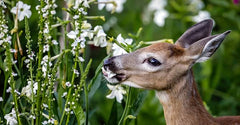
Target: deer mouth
point(113, 78)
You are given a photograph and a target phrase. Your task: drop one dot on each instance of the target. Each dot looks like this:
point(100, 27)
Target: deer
point(167, 69)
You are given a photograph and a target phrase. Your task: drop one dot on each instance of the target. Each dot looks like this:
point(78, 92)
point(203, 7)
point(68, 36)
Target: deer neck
point(183, 105)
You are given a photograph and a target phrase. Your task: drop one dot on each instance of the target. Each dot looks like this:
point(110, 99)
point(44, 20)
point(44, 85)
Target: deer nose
point(109, 64)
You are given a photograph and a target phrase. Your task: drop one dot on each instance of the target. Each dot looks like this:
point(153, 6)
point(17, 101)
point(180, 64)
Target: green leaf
point(98, 70)
point(96, 85)
point(113, 118)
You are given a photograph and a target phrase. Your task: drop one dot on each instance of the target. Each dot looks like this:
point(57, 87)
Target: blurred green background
point(218, 79)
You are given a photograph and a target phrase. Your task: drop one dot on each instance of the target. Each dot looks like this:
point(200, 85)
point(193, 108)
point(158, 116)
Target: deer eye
point(153, 62)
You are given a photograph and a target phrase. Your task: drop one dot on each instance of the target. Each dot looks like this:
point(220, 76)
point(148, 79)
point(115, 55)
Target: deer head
point(161, 65)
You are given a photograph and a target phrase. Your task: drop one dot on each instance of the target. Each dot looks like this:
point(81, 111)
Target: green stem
point(68, 96)
point(12, 84)
point(86, 102)
point(127, 107)
point(39, 74)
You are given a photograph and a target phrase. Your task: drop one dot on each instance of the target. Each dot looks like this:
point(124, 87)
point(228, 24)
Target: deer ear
point(205, 48)
point(196, 32)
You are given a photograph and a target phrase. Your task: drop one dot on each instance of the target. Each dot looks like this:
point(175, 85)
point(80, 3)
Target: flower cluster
point(28, 91)
point(111, 5)
point(48, 9)
point(198, 5)
point(45, 64)
point(156, 7)
point(117, 50)
point(48, 12)
point(98, 36)
point(79, 3)
point(4, 37)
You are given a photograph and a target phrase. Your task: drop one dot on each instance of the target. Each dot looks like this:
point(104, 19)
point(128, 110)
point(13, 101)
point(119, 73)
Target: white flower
point(86, 25)
point(14, 74)
point(11, 118)
point(120, 39)
point(88, 34)
point(26, 61)
point(100, 38)
point(202, 15)
point(53, 12)
point(111, 7)
point(82, 45)
point(117, 50)
point(157, 4)
point(44, 122)
point(159, 17)
point(68, 84)
point(31, 55)
point(17, 92)
point(85, 3)
point(75, 17)
point(156, 7)
point(1, 99)
point(32, 117)
point(9, 90)
point(54, 42)
point(45, 105)
point(2, 4)
point(45, 48)
point(72, 34)
point(13, 51)
point(22, 10)
point(51, 120)
point(28, 91)
point(116, 92)
point(81, 59)
point(76, 72)
point(64, 94)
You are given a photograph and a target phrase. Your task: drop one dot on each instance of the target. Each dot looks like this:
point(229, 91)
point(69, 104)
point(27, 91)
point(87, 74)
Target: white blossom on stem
point(22, 10)
point(117, 50)
point(11, 118)
point(28, 91)
point(157, 8)
point(68, 84)
point(72, 34)
point(111, 6)
point(116, 92)
point(100, 38)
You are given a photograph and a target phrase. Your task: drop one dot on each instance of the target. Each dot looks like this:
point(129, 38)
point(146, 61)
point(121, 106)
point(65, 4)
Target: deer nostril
point(108, 63)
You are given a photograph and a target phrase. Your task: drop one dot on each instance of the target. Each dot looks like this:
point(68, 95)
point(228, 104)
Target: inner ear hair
point(206, 47)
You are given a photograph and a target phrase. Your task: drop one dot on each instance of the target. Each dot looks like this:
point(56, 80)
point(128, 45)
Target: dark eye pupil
point(154, 62)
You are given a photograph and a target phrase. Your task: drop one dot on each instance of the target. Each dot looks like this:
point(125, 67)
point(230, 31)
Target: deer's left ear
point(205, 48)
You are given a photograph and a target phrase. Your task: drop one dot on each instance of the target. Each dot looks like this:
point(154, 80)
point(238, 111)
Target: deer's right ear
point(205, 48)
point(196, 32)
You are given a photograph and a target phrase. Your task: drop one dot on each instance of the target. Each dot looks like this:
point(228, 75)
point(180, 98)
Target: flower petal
point(72, 35)
point(120, 39)
point(111, 95)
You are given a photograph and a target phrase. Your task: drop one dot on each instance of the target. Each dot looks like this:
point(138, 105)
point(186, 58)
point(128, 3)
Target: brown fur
point(174, 82)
